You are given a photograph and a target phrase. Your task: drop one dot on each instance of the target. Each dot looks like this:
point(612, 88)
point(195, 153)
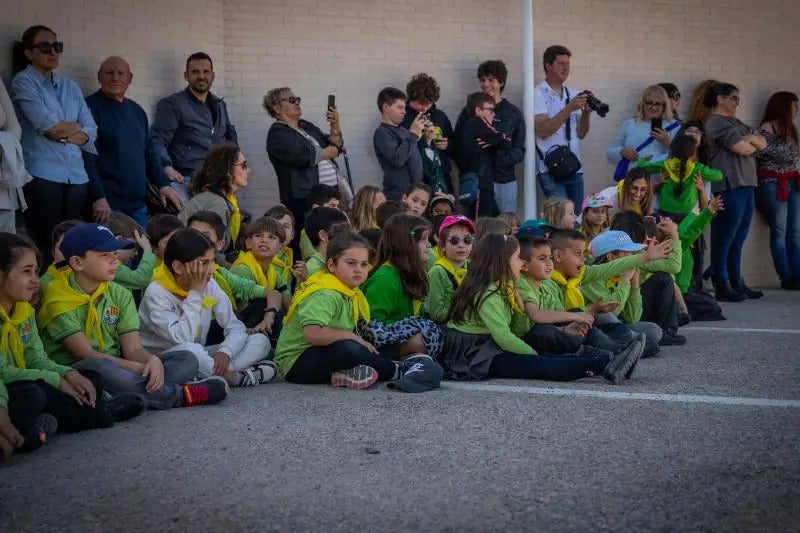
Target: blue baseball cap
point(90, 238)
point(535, 227)
point(612, 241)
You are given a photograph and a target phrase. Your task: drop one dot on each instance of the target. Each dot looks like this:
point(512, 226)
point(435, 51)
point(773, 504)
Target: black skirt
point(467, 356)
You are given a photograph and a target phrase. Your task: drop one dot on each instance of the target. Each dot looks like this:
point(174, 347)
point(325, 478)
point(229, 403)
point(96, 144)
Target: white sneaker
point(258, 374)
point(358, 378)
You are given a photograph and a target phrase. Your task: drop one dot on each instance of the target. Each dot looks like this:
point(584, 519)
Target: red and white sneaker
point(358, 378)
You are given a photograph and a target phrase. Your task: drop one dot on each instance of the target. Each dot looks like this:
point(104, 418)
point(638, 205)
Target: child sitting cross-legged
point(37, 395)
point(89, 322)
point(480, 341)
point(322, 224)
point(124, 227)
point(237, 288)
point(396, 289)
point(320, 341)
point(177, 309)
point(263, 240)
point(456, 236)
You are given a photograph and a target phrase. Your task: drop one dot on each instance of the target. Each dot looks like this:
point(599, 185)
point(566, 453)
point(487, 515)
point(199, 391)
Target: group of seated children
point(383, 294)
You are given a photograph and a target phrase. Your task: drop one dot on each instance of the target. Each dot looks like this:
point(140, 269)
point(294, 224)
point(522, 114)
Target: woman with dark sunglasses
point(302, 155)
point(732, 146)
point(57, 127)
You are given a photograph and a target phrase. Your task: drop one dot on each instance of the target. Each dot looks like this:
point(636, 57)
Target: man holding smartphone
point(561, 117)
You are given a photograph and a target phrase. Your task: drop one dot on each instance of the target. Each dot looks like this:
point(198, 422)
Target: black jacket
point(295, 158)
point(508, 119)
point(439, 118)
point(481, 160)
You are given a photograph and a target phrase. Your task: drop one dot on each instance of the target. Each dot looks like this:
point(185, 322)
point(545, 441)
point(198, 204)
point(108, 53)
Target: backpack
point(703, 307)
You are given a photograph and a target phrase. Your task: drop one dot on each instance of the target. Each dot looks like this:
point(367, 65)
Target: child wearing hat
point(594, 217)
point(456, 237)
point(442, 204)
point(89, 322)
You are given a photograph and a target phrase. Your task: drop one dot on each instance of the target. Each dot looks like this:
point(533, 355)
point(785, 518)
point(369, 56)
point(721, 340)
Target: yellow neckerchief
point(636, 208)
point(613, 282)
point(10, 341)
point(60, 297)
point(512, 298)
point(164, 277)
point(268, 280)
point(236, 217)
point(285, 263)
point(52, 270)
point(673, 167)
point(324, 280)
point(436, 252)
point(573, 297)
point(223, 284)
point(374, 225)
point(415, 304)
point(457, 273)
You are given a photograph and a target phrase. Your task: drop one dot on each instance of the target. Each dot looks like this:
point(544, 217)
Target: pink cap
point(454, 220)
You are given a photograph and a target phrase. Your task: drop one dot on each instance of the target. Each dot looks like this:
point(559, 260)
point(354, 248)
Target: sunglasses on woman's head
point(292, 99)
point(46, 48)
point(455, 240)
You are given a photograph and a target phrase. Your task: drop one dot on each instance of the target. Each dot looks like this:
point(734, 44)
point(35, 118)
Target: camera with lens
point(596, 105)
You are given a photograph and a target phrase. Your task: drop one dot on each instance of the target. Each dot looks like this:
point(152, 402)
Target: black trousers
point(658, 301)
point(316, 364)
point(298, 208)
point(50, 203)
point(549, 367)
point(550, 338)
point(29, 399)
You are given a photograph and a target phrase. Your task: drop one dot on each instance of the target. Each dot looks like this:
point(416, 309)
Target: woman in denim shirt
point(56, 127)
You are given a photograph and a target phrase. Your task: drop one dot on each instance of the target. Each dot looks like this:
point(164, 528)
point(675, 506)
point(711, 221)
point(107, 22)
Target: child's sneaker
point(358, 378)
point(44, 427)
point(622, 362)
point(629, 373)
point(125, 406)
point(212, 389)
point(258, 374)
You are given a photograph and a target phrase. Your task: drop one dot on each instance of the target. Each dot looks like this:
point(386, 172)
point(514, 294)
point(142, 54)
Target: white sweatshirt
point(167, 321)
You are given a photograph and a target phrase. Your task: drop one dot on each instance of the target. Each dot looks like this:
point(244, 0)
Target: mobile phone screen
point(331, 101)
point(656, 123)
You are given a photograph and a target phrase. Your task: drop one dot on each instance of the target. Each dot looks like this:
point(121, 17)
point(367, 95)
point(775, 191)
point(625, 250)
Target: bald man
point(123, 165)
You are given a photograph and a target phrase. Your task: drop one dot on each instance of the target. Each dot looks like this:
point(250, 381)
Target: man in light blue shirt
point(56, 126)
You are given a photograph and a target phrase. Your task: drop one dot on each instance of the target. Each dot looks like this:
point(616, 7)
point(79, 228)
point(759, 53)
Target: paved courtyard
point(704, 438)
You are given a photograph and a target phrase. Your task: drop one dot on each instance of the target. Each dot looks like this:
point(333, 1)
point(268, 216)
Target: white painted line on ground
point(656, 397)
point(742, 330)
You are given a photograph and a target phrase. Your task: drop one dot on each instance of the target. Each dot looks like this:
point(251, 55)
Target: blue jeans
point(505, 196)
point(784, 228)
point(729, 230)
point(571, 188)
point(179, 367)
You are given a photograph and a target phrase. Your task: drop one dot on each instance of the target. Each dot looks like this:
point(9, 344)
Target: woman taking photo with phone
point(732, 146)
point(648, 134)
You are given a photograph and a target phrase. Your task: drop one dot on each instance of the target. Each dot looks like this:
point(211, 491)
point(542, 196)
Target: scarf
point(285, 262)
point(164, 277)
point(60, 298)
point(457, 273)
point(52, 271)
point(673, 167)
point(573, 297)
point(236, 217)
point(636, 208)
point(512, 298)
point(326, 281)
point(613, 282)
point(223, 284)
point(268, 280)
point(10, 341)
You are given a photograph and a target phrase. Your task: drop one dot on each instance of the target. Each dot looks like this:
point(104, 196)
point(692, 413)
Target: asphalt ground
point(703, 438)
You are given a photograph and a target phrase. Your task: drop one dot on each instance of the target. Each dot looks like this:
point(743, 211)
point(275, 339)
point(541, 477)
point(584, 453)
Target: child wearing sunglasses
point(456, 237)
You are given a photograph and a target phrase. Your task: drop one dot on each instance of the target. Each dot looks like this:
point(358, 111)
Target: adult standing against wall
point(188, 123)
point(423, 92)
point(56, 127)
point(561, 117)
point(299, 151)
point(12, 164)
point(779, 185)
point(508, 119)
point(119, 172)
point(732, 146)
point(674, 96)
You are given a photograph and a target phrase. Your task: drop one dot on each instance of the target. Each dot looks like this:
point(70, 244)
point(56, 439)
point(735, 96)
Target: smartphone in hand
point(331, 101)
point(656, 123)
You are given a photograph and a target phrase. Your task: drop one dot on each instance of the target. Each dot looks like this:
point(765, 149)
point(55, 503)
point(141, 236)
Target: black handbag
point(560, 160)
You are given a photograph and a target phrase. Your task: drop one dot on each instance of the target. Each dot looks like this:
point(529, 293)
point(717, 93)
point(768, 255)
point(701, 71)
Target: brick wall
point(353, 48)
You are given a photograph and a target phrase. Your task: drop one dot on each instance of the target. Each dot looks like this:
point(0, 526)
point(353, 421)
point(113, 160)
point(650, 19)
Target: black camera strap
point(568, 125)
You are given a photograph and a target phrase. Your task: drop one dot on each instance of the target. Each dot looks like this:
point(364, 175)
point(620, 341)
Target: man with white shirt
point(561, 117)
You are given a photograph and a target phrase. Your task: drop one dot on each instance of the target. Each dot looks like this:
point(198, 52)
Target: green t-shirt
point(243, 289)
point(306, 248)
point(323, 308)
point(139, 278)
point(441, 287)
point(37, 364)
point(314, 263)
point(117, 314)
point(547, 296)
point(685, 201)
point(388, 301)
point(242, 271)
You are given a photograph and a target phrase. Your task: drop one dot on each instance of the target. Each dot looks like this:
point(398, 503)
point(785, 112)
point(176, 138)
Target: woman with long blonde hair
point(365, 205)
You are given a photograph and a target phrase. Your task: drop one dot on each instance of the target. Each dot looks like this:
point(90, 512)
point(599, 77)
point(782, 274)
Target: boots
point(725, 293)
point(747, 291)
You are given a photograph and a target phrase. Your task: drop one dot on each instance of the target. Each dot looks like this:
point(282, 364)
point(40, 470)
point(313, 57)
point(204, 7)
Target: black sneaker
point(624, 360)
point(212, 389)
point(125, 406)
point(684, 319)
point(44, 427)
point(751, 294)
point(672, 338)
